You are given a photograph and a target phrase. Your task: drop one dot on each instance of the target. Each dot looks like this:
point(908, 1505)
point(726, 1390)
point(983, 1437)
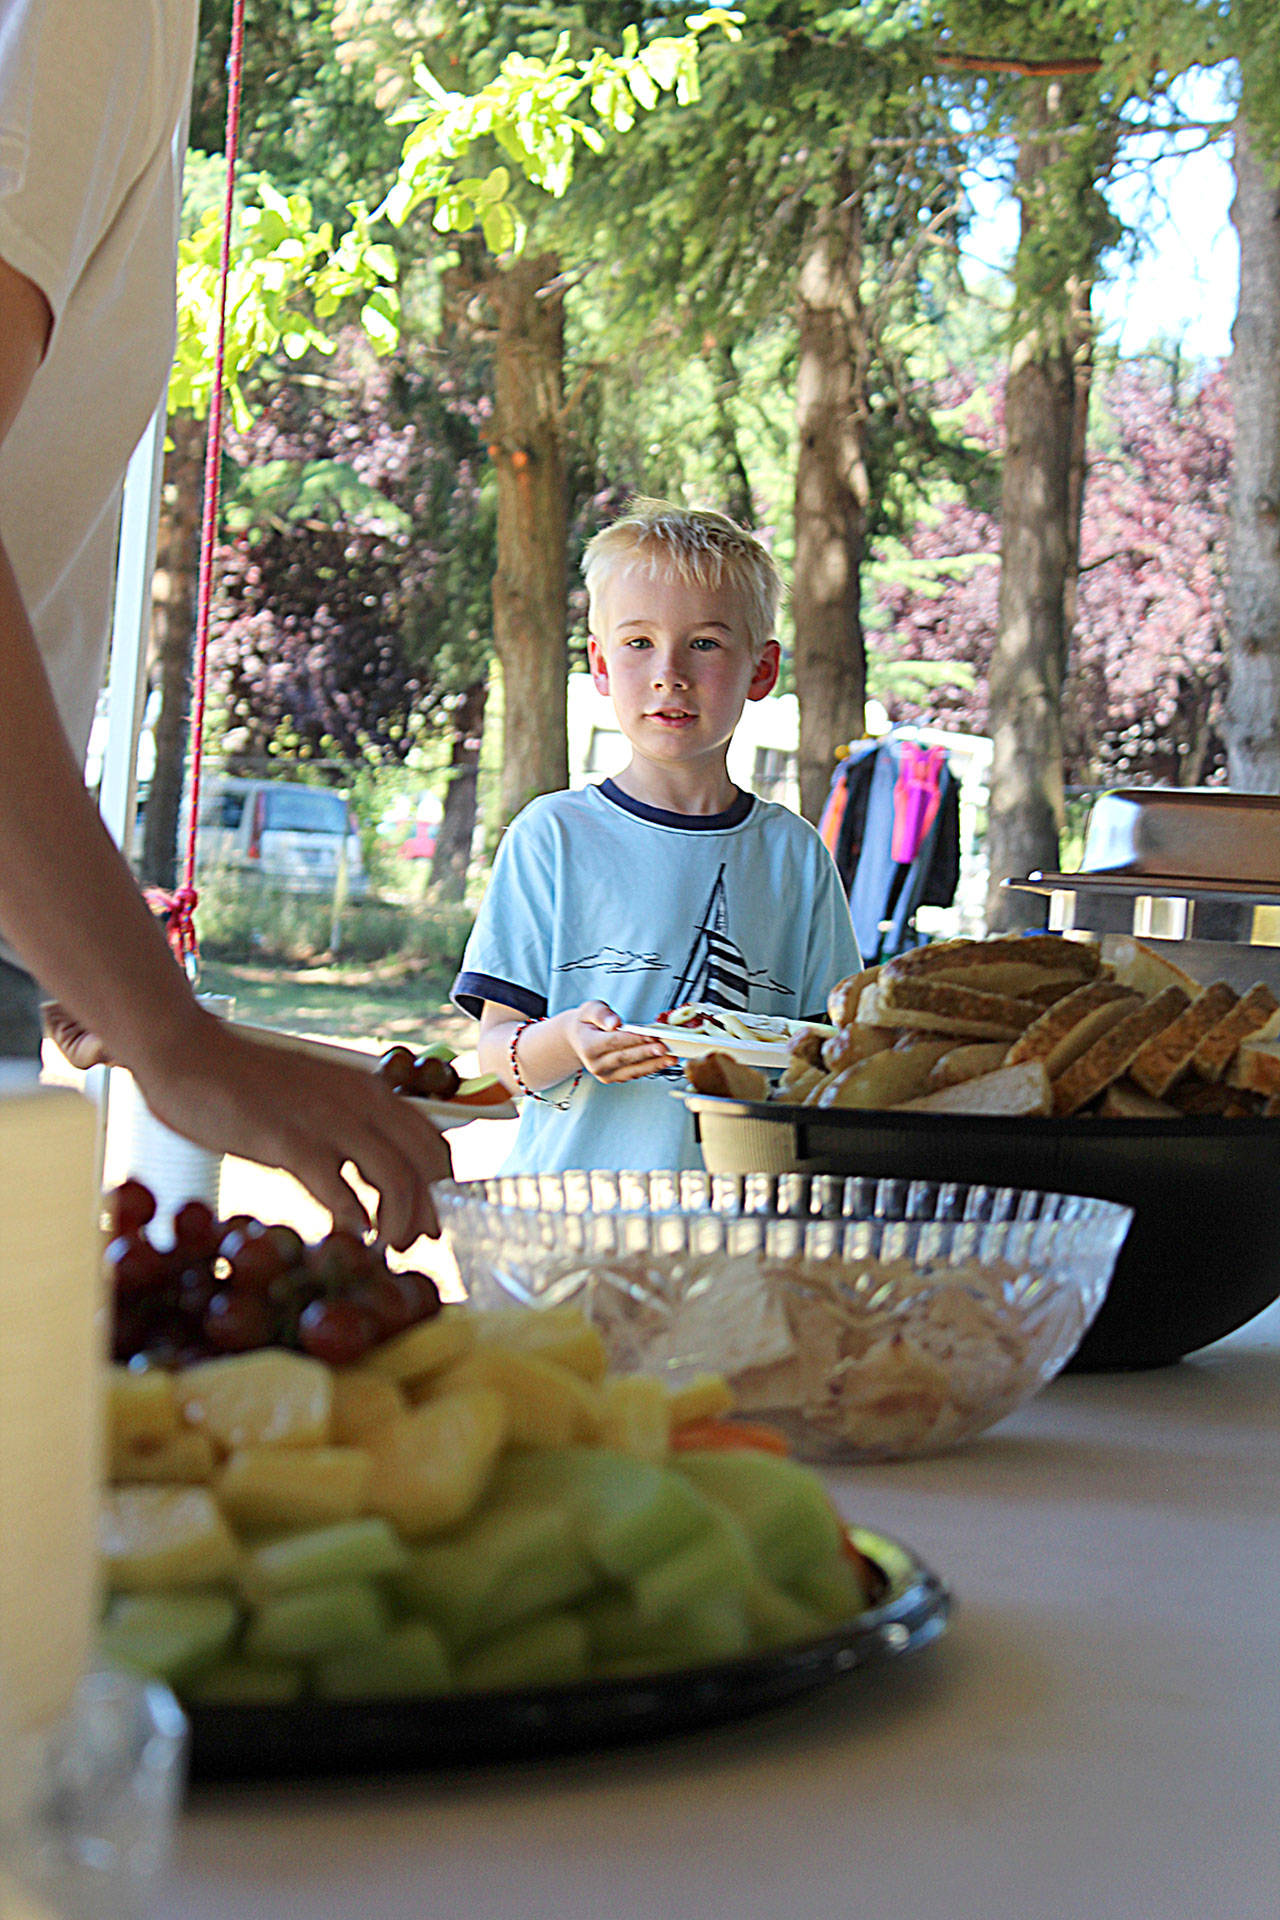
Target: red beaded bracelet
point(561, 1106)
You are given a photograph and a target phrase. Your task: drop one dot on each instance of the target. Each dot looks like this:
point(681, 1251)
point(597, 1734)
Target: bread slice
point(884, 1080)
point(1012, 1091)
point(1214, 1099)
point(719, 1073)
point(1251, 1013)
point(1167, 1056)
point(1109, 1056)
point(1123, 1101)
point(844, 998)
point(966, 1062)
point(1069, 1027)
point(1048, 952)
point(911, 1001)
point(1256, 1067)
point(1145, 969)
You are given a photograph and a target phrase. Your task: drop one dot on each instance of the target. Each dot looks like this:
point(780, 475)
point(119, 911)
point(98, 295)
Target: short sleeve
point(508, 955)
point(832, 948)
point(79, 114)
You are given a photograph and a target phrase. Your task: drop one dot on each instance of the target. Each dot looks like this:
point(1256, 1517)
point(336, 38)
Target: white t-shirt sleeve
point(79, 112)
point(508, 956)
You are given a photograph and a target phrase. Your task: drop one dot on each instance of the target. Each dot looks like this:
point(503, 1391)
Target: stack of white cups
point(176, 1170)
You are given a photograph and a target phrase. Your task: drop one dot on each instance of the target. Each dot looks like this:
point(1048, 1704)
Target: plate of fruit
point(430, 1076)
point(357, 1529)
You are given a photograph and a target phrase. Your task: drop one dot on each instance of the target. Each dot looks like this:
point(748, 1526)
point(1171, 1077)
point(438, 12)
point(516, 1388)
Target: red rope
point(180, 906)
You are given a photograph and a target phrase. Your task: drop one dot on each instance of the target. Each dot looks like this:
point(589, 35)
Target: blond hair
point(702, 548)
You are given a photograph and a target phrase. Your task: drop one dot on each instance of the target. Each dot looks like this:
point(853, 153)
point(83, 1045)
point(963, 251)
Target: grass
point(370, 1004)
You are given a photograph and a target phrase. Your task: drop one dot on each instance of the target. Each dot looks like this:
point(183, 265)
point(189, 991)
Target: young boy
point(666, 884)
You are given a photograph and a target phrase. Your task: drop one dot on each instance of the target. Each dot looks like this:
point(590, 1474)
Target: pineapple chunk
point(142, 1407)
point(563, 1334)
point(707, 1396)
point(185, 1458)
point(294, 1486)
point(363, 1401)
point(267, 1398)
point(547, 1406)
point(156, 1537)
point(426, 1348)
point(431, 1466)
point(637, 1417)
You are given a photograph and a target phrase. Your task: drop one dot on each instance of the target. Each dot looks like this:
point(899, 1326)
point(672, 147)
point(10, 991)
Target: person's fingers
point(598, 1013)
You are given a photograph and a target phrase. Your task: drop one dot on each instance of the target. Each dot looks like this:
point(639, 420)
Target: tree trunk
point(1041, 496)
point(831, 495)
point(530, 592)
point(734, 477)
point(1251, 721)
point(173, 623)
point(452, 856)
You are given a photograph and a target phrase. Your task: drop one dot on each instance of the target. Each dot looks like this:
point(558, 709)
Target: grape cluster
point(230, 1286)
point(428, 1075)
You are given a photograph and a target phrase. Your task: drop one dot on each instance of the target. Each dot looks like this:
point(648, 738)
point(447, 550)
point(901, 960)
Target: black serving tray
point(329, 1738)
point(1201, 1258)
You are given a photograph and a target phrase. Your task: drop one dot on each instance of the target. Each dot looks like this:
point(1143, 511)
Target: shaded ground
point(370, 1005)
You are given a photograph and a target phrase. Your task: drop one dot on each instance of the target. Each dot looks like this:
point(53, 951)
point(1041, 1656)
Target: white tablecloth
point(1097, 1737)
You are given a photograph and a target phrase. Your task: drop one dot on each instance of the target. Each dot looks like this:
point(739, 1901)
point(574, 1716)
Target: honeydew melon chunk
point(294, 1486)
point(717, 1563)
point(425, 1349)
point(267, 1398)
point(834, 1588)
point(363, 1401)
point(783, 1506)
point(636, 1415)
point(541, 1652)
point(627, 1513)
point(185, 1458)
point(154, 1538)
point(560, 1333)
point(316, 1621)
point(167, 1636)
point(142, 1407)
point(363, 1549)
point(431, 1465)
point(779, 1619)
point(411, 1660)
point(508, 1564)
point(547, 1405)
point(622, 1643)
point(244, 1683)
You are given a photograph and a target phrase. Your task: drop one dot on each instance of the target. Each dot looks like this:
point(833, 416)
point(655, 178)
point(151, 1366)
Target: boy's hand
point(608, 1053)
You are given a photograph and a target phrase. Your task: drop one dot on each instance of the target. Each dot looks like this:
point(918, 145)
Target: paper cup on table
point(51, 1352)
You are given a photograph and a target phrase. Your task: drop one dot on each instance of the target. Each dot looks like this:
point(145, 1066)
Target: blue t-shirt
point(596, 896)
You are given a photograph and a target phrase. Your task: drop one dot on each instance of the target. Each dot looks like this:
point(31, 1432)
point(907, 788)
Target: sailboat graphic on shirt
point(716, 973)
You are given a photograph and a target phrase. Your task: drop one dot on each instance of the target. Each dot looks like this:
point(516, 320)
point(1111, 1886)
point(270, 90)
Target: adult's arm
point(70, 910)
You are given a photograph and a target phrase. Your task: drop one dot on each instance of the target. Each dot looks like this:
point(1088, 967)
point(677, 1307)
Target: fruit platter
point(356, 1528)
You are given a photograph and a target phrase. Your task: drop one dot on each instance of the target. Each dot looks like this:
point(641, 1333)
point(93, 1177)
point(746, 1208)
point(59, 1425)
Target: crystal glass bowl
point(869, 1319)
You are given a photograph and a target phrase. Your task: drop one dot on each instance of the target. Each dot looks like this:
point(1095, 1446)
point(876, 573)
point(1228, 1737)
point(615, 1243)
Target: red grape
point(135, 1265)
point(336, 1331)
point(396, 1067)
point(254, 1257)
point(132, 1205)
point(421, 1292)
point(390, 1306)
point(195, 1228)
point(342, 1257)
point(236, 1323)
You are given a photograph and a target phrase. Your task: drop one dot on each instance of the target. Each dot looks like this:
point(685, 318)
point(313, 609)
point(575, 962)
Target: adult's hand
point(285, 1108)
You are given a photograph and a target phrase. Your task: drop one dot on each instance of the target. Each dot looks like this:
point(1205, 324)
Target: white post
point(130, 628)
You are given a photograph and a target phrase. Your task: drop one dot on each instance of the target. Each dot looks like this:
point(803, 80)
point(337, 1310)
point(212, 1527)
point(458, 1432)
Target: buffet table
point(1097, 1735)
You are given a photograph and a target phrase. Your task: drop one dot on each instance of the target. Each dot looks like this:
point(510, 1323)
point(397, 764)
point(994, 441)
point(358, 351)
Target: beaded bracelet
point(561, 1106)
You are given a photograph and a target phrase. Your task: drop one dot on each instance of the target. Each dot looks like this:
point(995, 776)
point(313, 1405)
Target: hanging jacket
point(890, 798)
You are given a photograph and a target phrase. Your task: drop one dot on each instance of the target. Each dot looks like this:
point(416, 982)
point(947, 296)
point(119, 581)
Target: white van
point(294, 836)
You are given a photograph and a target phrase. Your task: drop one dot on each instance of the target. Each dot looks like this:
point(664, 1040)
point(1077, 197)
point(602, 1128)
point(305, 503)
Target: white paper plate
point(691, 1043)
point(451, 1113)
